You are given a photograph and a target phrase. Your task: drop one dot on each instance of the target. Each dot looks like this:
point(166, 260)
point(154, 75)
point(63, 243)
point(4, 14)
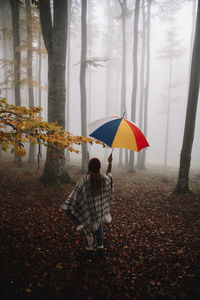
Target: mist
point(103, 80)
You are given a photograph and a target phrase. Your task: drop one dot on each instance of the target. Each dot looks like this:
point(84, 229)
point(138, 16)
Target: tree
point(55, 38)
point(146, 95)
point(68, 70)
point(194, 5)
point(185, 157)
point(113, 47)
point(39, 70)
point(32, 149)
point(85, 155)
point(142, 82)
point(90, 42)
point(135, 74)
point(6, 37)
point(108, 53)
point(93, 62)
point(123, 72)
point(17, 59)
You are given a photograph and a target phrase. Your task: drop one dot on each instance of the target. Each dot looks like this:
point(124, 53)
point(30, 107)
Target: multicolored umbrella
point(118, 132)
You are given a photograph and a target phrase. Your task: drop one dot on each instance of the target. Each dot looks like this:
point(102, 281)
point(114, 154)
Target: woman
point(89, 203)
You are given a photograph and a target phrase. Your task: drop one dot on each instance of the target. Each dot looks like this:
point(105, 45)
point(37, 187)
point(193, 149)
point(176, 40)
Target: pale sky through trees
point(157, 90)
point(159, 76)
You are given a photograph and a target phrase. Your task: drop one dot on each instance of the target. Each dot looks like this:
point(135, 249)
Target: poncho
point(87, 211)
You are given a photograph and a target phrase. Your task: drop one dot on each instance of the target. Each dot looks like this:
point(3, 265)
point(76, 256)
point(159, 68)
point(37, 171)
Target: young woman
point(89, 203)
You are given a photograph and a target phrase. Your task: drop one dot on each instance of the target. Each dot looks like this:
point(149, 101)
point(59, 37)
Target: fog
point(103, 99)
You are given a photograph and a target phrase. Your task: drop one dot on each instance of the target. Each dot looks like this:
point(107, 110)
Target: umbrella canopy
point(117, 132)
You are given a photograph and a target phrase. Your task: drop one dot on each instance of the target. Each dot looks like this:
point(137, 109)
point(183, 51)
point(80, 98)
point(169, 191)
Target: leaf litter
point(151, 246)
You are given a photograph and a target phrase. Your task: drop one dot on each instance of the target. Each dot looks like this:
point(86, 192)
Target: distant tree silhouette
point(17, 61)
point(123, 5)
point(85, 156)
point(135, 75)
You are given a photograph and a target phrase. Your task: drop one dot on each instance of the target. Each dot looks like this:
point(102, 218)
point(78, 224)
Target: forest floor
point(151, 247)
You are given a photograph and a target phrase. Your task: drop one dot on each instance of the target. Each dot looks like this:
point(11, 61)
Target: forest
point(66, 65)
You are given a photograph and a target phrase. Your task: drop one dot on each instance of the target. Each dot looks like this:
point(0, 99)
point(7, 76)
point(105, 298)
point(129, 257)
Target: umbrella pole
point(112, 151)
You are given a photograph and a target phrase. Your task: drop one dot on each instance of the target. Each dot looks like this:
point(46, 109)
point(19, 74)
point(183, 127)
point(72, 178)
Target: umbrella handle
point(123, 114)
point(112, 151)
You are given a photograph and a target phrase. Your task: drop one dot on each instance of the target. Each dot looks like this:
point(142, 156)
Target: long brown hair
point(96, 180)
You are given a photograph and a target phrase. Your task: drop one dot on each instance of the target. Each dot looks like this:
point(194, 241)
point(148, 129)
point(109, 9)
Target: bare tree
point(135, 74)
point(146, 94)
point(108, 54)
point(142, 81)
point(6, 38)
point(17, 61)
point(32, 149)
point(123, 5)
point(185, 157)
point(39, 71)
point(68, 72)
point(85, 156)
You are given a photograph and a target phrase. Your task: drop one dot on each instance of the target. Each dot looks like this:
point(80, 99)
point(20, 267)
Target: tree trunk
point(32, 148)
point(17, 59)
point(68, 73)
point(194, 5)
point(123, 73)
point(146, 95)
point(135, 74)
point(29, 52)
point(108, 55)
point(3, 41)
point(123, 83)
point(5, 46)
point(168, 110)
point(55, 39)
point(85, 156)
point(142, 75)
point(39, 75)
point(185, 157)
point(89, 51)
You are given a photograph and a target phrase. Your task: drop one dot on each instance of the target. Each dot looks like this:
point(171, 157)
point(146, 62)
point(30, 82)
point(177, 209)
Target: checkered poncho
point(86, 210)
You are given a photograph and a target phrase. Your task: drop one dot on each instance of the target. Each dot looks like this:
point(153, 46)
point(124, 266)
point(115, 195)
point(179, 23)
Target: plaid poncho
point(86, 211)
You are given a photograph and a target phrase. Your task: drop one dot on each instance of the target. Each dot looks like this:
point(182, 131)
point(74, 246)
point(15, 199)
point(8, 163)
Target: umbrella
point(118, 132)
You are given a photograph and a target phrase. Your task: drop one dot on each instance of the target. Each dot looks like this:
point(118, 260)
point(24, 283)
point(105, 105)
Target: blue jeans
point(99, 236)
